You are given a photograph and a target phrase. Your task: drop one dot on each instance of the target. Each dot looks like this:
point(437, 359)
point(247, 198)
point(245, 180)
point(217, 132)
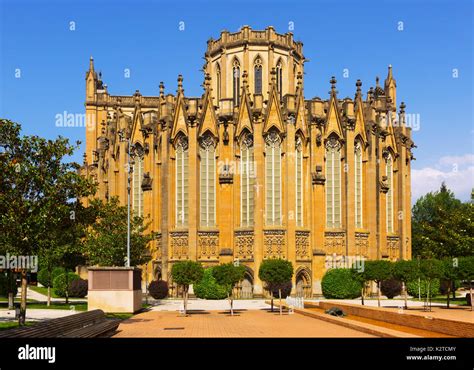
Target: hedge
point(412, 288)
point(340, 283)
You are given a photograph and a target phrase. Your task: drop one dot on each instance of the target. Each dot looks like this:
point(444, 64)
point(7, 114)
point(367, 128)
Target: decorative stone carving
point(225, 175)
point(274, 244)
point(208, 244)
point(318, 177)
point(362, 244)
point(384, 187)
point(302, 245)
point(147, 182)
point(179, 245)
point(244, 241)
point(335, 242)
point(393, 247)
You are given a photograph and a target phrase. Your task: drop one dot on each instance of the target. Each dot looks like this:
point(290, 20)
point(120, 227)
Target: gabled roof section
point(180, 118)
point(333, 118)
point(208, 121)
point(273, 117)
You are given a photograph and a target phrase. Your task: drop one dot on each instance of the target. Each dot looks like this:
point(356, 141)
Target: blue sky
point(431, 52)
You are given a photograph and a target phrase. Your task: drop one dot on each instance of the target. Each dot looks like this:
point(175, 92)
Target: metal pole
point(128, 206)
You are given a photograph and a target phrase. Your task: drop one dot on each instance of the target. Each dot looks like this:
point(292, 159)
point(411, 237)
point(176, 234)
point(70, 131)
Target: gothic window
point(247, 181)
point(279, 79)
point(182, 183)
point(258, 76)
point(299, 181)
point(218, 81)
point(333, 183)
point(207, 182)
point(137, 192)
point(358, 184)
point(273, 178)
point(236, 82)
point(389, 198)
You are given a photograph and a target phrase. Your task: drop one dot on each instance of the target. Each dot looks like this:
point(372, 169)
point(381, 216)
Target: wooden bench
point(88, 324)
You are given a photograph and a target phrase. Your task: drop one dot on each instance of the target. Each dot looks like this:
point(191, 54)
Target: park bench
point(88, 324)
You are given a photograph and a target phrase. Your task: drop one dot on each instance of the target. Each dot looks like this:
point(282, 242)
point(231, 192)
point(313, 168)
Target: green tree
point(430, 269)
point(405, 271)
point(450, 273)
point(105, 241)
point(37, 183)
point(228, 275)
point(184, 274)
point(274, 273)
point(377, 271)
point(466, 267)
point(442, 226)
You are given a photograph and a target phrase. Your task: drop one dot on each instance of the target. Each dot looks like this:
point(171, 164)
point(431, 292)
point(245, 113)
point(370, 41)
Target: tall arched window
point(247, 181)
point(258, 76)
point(358, 185)
point(273, 178)
point(389, 198)
point(208, 182)
point(182, 183)
point(218, 81)
point(279, 78)
point(236, 82)
point(137, 192)
point(299, 181)
point(333, 183)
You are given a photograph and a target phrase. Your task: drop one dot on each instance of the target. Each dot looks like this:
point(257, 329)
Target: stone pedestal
point(115, 289)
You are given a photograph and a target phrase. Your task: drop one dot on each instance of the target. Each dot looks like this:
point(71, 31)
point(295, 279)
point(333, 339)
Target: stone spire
point(180, 84)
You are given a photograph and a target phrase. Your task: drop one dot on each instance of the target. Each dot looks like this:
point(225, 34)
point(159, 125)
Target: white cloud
point(456, 171)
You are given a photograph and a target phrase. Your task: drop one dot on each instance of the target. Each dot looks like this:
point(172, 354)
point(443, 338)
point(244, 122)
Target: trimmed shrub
point(208, 288)
point(7, 284)
point(158, 289)
point(78, 288)
point(391, 288)
point(412, 288)
point(46, 277)
point(59, 283)
point(340, 283)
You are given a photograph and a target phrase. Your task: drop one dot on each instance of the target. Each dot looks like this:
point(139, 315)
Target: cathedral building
point(252, 169)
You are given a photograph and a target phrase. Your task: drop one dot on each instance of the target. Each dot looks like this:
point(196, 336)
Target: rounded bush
point(7, 284)
point(158, 289)
point(59, 283)
point(412, 288)
point(340, 283)
point(284, 287)
point(391, 288)
point(78, 288)
point(444, 285)
point(46, 277)
point(208, 288)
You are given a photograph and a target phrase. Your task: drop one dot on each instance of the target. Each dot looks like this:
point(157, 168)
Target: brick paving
point(251, 323)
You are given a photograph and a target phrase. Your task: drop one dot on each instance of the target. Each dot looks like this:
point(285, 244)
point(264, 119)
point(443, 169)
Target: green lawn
point(12, 324)
point(442, 299)
point(78, 306)
point(43, 290)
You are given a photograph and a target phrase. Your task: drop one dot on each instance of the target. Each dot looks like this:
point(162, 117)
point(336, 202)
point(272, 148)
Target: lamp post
point(130, 162)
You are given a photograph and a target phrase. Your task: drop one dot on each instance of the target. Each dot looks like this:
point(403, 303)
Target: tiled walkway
point(251, 323)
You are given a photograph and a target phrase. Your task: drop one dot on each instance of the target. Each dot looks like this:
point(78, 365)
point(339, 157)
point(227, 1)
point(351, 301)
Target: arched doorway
point(303, 283)
point(244, 289)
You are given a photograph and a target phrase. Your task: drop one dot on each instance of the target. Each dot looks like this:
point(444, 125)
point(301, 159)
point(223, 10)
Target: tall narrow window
point(279, 78)
point(273, 179)
point(389, 174)
point(208, 182)
point(333, 183)
point(218, 81)
point(299, 181)
point(247, 181)
point(358, 185)
point(258, 76)
point(137, 186)
point(182, 183)
point(236, 82)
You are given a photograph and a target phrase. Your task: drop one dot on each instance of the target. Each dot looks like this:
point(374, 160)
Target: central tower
point(257, 54)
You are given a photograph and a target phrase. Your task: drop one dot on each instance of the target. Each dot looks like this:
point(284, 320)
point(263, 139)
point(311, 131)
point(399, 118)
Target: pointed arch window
point(358, 185)
point(247, 181)
point(137, 192)
point(299, 181)
point(182, 183)
point(236, 82)
point(207, 182)
point(258, 76)
point(389, 197)
point(279, 78)
point(273, 179)
point(333, 183)
point(218, 81)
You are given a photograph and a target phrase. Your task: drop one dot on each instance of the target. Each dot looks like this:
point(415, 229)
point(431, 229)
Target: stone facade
point(252, 169)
